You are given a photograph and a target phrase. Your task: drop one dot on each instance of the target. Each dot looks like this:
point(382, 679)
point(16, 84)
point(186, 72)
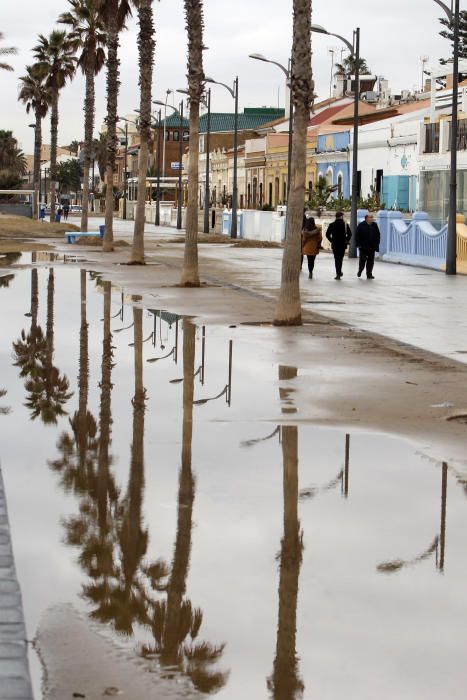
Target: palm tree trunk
point(186, 495)
point(288, 311)
point(83, 379)
point(113, 84)
point(146, 45)
point(89, 109)
point(194, 26)
point(190, 272)
point(53, 151)
point(34, 299)
point(37, 162)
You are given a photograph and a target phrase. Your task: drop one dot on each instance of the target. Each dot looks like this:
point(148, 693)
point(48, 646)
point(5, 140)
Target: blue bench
point(72, 236)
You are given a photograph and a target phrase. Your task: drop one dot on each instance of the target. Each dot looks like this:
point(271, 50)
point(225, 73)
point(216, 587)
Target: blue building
point(332, 158)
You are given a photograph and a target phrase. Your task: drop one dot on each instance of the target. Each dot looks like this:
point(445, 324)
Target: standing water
point(148, 491)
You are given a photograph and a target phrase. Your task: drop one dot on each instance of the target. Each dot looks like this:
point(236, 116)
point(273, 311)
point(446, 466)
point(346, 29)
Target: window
point(432, 138)
point(255, 191)
point(249, 196)
point(340, 185)
point(167, 135)
point(270, 194)
point(260, 194)
point(310, 187)
point(176, 135)
point(186, 135)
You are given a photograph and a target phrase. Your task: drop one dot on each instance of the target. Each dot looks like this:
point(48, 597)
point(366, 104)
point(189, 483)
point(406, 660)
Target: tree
point(6, 51)
point(288, 310)
point(100, 154)
point(146, 46)
point(194, 27)
point(12, 161)
point(87, 31)
point(73, 147)
point(69, 174)
point(36, 96)
point(55, 57)
point(115, 14)
point(349, 64)
point(448, 33)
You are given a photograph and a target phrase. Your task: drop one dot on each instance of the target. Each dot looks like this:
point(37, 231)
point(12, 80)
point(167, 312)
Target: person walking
point(311, 242)
point(368, 239)
point(339, 235)
point(66, 211)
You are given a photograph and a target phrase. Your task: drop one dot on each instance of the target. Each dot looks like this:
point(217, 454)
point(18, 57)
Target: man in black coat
point(368, 239)
point(339, 235)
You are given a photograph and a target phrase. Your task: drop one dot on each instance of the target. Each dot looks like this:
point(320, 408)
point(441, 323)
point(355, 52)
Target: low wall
point(16, 209)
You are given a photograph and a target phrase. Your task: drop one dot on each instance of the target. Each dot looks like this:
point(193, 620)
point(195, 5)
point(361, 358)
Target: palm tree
point(12, 161)
point(288, 311)
point(146, 46)
point(349, 64)
point(55, 56)
point(36, 96)
point(100, 154)
point(6, 51)
point(87, 32)
point(115, 14)
point(194, 26)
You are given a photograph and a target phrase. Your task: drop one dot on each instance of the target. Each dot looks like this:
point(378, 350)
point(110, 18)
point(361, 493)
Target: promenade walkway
point(14, 668)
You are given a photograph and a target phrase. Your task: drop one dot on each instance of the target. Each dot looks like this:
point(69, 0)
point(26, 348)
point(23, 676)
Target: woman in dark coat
point(311, 242)
point(339, 235)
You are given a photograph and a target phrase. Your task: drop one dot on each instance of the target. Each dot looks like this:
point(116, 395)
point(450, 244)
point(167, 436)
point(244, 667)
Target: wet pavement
point(161, 481)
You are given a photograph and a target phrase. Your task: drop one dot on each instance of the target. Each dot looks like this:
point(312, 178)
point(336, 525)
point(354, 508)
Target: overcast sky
point(393, 40)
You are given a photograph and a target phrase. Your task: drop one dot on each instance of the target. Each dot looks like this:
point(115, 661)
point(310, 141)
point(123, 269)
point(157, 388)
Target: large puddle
point(248, 558)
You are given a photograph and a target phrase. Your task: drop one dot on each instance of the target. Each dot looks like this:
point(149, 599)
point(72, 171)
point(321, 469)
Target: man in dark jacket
point(339, 235)
point(368, 239)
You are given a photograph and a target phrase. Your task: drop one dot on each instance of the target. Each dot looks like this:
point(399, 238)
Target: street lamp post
point(158, 188)
point(451, 249)
point(180, 155)
point(35, 205)
point(234, 92)
point(354, 49)
point(207, 192)
point(180, 169)
point(207, 103)
point(288, 74)
point(125, 165)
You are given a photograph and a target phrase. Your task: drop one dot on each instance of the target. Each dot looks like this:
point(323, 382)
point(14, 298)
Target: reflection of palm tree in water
point(84, 466)
point(285, 683)
point(128, 595)
point(48, 390)
point(79, 451)
point(174, 620)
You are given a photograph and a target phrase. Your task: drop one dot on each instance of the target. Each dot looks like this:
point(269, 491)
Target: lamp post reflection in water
point(437, 547)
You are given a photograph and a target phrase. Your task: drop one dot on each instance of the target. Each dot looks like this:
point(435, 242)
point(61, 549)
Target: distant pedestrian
point(42, 214)
point(368, 240)
point(311, 242)
point(339, 235)
point(66, 211)
point(59, 214)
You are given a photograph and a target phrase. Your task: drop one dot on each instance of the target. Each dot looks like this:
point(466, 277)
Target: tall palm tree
point(194, 26)
point(146, 46)
point(288, 310)
point(88, 34)
point(35, 94)
point(114, 13)
point(6, 51)
point(55, 56)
